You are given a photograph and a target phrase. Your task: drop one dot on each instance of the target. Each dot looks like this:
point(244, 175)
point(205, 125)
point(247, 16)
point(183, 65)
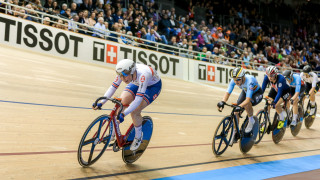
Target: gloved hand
point(238, 109)
point(121, 117)
point(99, 105)
point(221, 104)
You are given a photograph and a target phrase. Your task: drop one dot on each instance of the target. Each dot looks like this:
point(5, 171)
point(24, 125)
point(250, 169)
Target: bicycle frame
point(234, 118)
point(121, 139)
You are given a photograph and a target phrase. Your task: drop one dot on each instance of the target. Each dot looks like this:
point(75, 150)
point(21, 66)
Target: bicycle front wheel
point(95, 140)
point(277, 134)
point(222, 136)
point(263, 123)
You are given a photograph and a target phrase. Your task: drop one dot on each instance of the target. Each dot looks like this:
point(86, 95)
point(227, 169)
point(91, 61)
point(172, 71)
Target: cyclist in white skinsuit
point(312, 85)
point(144, 86)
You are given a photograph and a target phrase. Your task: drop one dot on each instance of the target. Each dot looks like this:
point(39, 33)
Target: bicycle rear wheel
point(310, 118)
point(296, 129)
point(92, 144)
point(263, 123)
point(222, 136)
point(129, 156)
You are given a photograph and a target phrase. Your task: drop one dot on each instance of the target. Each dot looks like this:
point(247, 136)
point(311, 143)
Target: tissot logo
point(98, 51)
point(202, 72)
point(112, 55)
point(211, 73)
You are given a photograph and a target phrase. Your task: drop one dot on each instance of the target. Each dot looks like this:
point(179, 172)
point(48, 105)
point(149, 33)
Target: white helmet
point(271, 71)
point(126, 67)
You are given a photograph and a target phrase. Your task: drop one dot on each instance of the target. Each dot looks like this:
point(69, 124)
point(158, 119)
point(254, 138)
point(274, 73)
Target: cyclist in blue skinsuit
point(251, 94)
point(279, 92)
point(296, 91)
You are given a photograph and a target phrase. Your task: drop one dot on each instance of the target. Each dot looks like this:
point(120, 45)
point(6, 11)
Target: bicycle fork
point(235, 130)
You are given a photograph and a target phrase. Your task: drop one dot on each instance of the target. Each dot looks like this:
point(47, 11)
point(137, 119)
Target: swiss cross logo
point(112, 55)
point(211, 73)
point(143, 79)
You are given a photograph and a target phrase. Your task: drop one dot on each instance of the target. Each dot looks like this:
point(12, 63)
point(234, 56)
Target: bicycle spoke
point(88, 141)
point(100, 125)
point(219, 145)
point(91, 153)
point(218, 137)
point(225, 140)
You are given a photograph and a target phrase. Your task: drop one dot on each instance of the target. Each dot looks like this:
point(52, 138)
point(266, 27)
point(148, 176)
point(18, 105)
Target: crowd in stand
point(250, 41)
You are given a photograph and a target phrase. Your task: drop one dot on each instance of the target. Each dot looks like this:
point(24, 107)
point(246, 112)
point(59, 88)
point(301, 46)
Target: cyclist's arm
point(229, 91)
point(280, 90)
point(298, 87)
point(249, 93)
point(314, 83)
point(314, 80)
point(226, 97)
point(112, 89)
point(265, 83)
point(143, 83)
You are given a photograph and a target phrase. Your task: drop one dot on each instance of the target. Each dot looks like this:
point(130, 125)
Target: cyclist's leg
point(272, 95)
point(241, 98)
point(256, 99)
point(128, 95)
point(294, 106)
point(279, 109)
point(150, 95)
point(313, 98)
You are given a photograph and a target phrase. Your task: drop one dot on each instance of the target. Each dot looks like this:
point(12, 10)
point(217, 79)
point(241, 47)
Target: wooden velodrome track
point(41, 141)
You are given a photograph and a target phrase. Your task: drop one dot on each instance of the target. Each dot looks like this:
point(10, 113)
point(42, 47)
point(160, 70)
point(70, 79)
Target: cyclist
point(279, 92)
point(312, 85)
point(297, 88)
point(144, 86)
point(251, 95)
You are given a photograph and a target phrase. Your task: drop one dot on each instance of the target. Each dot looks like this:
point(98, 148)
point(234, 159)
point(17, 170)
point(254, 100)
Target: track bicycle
point(97, 137)
point(223, 135)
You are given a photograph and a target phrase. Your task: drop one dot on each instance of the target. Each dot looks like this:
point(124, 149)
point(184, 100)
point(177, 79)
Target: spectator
point(203, 56)
point(74, 9)
point(64, 8)
point(100, 29)
point(46, 21)
point(135, 26)
point(72, 26)
point(165, 26)
point(85, 5)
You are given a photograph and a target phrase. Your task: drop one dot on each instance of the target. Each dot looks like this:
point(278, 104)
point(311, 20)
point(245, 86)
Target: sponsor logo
point(40, 37)
point(98, 51)
point(164, 63)
point(202, 72)
point(143, 79)
point(112, 55)
point(211, 73)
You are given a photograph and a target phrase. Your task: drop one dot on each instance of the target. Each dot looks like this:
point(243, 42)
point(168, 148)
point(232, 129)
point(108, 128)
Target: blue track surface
point(257, 171)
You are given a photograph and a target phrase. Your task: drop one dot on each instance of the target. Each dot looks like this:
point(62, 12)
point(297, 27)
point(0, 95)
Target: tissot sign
point(215, 73)
point(31, 35)
point(44, 39)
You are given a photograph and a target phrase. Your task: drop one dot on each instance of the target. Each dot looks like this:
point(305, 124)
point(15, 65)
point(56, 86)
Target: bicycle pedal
point(115, 148)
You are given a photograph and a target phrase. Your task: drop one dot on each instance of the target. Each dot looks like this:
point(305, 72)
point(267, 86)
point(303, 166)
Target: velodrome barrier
point(44, 39)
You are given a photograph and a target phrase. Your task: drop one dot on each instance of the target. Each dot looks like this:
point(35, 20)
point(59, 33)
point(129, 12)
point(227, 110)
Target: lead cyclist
point(144, 86)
